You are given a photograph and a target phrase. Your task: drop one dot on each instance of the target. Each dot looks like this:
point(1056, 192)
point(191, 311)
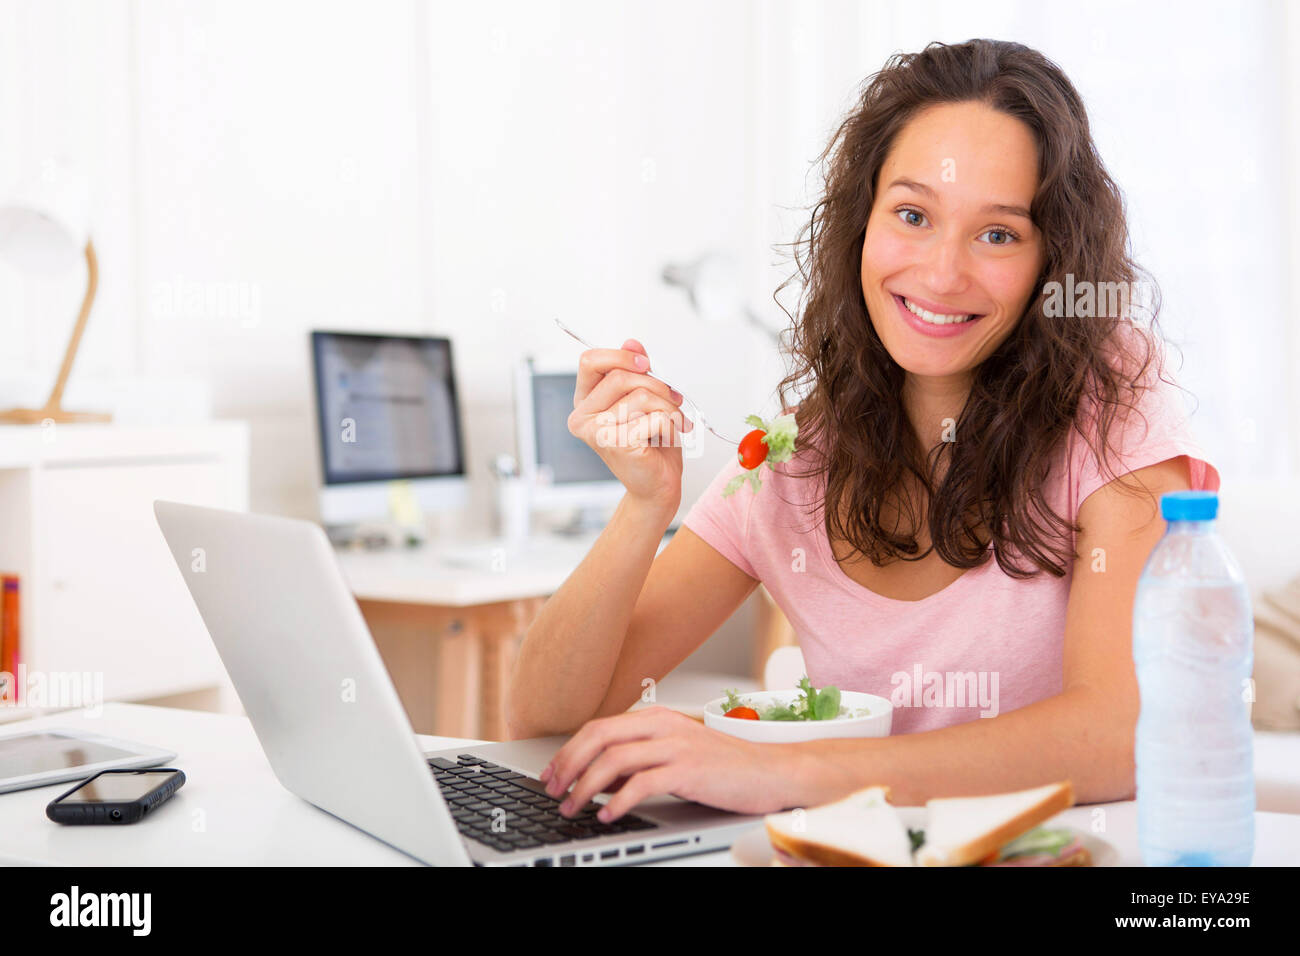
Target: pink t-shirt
point(986, 644)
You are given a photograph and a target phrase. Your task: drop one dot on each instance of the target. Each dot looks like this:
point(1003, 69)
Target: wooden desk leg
point(460, 672)
point(434, 658)
point(457, 687)
point(502, 627)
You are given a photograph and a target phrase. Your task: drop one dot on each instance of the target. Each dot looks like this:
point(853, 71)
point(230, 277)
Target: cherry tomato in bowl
point(744, 713)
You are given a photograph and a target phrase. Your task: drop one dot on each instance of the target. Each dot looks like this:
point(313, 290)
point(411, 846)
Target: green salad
point(811, 704)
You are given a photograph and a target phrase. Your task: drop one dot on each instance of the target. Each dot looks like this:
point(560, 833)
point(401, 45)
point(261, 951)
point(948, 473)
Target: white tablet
point(37, 758)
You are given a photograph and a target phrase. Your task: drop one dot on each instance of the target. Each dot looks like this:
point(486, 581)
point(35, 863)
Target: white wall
point(66, 93)
point(265, 169)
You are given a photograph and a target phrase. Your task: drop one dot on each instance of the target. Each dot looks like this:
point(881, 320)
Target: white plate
point(752, 848)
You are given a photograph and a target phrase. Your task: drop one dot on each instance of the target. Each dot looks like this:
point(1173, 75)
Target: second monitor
point(560, 470)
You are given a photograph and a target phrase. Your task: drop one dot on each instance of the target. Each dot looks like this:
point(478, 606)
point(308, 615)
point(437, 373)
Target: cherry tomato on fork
point(753, 450)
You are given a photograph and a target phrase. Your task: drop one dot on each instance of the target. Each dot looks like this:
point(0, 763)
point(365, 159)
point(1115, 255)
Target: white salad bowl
point(875, 724)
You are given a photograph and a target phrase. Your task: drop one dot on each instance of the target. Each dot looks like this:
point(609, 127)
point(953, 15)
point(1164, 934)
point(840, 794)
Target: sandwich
point(864, 829)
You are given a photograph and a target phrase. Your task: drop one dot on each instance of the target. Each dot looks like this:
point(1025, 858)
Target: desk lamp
point(44, 229)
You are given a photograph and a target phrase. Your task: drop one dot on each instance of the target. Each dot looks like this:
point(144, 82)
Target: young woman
point(981, 453)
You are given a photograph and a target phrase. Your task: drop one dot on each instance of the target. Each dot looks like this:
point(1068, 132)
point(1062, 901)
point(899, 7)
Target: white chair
point(783, 669)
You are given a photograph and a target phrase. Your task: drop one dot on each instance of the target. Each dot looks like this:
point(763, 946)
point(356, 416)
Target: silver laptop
point(327, 715)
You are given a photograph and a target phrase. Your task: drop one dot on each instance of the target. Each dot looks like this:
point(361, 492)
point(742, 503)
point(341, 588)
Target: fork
point(695, 408)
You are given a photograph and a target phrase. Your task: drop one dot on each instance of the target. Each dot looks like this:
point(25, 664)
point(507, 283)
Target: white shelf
point(100, 597)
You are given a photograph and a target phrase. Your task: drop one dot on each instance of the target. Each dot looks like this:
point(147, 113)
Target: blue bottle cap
point(1189, 506)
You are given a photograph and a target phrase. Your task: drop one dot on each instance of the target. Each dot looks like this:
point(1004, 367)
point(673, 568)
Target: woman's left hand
point(657, 751)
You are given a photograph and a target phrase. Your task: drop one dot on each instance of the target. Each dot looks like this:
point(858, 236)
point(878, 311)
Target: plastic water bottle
point(1193, 636)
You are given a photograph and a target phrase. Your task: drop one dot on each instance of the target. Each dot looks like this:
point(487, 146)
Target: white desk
point(423, 575)
point(232, 810)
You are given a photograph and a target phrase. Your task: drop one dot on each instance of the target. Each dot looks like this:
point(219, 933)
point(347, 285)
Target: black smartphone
point(115, 796)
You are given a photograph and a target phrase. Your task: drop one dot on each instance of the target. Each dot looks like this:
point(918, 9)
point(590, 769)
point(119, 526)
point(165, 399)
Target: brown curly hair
point(1027, 395)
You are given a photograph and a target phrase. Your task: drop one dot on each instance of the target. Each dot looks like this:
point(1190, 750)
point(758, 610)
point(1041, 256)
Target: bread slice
point(963, 830)
point(863, 829)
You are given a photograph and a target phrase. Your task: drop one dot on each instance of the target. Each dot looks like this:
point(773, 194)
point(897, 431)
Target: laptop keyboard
point(508, 811)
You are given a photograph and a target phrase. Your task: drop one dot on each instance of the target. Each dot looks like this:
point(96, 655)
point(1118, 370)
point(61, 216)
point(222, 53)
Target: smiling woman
point(972, 500)
point(964, 185)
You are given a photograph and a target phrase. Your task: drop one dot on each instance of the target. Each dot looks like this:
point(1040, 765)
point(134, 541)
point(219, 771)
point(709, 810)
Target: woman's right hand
point(632, 421)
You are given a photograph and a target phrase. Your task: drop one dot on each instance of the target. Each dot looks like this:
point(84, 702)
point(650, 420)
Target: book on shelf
point(10, 647)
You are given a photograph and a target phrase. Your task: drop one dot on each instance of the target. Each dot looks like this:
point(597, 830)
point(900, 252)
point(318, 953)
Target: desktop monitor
point(387, 411)
point(561, 471)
